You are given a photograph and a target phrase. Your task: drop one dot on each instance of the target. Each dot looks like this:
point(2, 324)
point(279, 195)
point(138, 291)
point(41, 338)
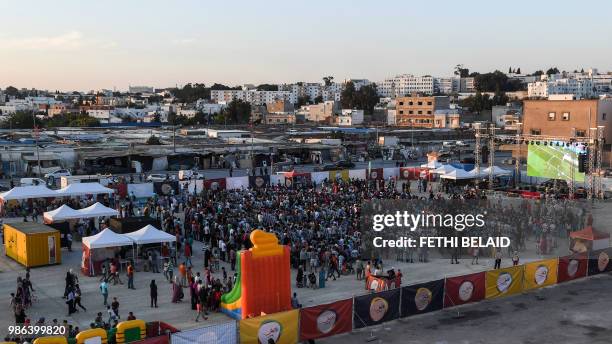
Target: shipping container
point(32, 244)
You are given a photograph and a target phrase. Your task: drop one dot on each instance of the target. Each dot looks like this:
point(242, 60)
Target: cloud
point(69, 41)
point(184, 41)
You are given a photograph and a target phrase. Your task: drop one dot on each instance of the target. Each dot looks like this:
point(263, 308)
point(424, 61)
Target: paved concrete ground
point(575, 312)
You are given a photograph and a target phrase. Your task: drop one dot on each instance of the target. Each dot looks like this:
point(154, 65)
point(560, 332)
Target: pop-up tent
point(81, 189)
point(27, 192)
point(497, 171)
point(103, 240)
point(150, 235)
point(458, 175)
point(589, 239)
point(62, 213)
point(432, 164)
point(97, 210)
point(444, 169)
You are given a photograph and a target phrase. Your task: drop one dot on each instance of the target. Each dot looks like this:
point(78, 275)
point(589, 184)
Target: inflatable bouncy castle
point(263, 284)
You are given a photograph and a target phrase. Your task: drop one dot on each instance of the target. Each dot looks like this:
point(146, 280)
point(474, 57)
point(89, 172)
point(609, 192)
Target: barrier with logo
point(258, 182)
point(51, 340)
point(422, 298)
point(280, 327)
point(94, 335)
point(464, 289)
point(339, 174)
point(504, 282)
point(599, 261)
point(540, 274)
point(224, 333)
point(326, 320)
point(376, 308)
point(572, 267)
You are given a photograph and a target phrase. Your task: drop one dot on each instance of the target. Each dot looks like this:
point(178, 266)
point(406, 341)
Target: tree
point(461, 72)
point(302, 100)
point(510, 70)
point(12, 92)
point(153, 141)
point(20, 120)
point(553, 70)
point(267, 87)
point(191, 93)
point(364, 99)
point(348, 96)
point(496, 82)
point(237, 112)
point(538, 73)
point(318, 99)
point(157, 118)
point(327, 80)
point(518, 70)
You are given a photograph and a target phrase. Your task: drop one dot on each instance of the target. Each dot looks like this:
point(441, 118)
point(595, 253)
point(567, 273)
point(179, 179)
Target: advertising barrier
point(215, 334)
point(280, 327)
point(599, 261)
point(464, 289)
point(540, 274)
point(326, 320)
point(258, 182)
point(504, 282)
point(377, 308)
point(572, 267)
point(422, 298)
point(339, 174)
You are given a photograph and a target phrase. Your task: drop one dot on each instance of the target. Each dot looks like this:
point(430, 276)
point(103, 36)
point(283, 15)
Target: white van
point(32, 181)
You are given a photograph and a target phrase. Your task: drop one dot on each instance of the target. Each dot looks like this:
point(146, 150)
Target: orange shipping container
point(32, 244)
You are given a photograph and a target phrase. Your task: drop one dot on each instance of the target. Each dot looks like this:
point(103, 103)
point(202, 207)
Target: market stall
point(97, 248)
point(61, 214)
point(32, 244)
point(82, 189)
point(150, 235)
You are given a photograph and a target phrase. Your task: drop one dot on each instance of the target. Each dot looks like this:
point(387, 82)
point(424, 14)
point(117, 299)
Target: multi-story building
point(447, 118)
point(467, 85)
point(500, 113)
point(280, 106)
point(320, 112)
point(252, 96)
point(348, 117)
point(280, 118)
point(567, 118)
point(141, 89)
point(405, 84)
point(418, 111)
point(552, 85)
point(447, 85)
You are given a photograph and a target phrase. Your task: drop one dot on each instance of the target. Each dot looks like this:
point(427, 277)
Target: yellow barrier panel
point(87, 336)
point(504, 282)
point(51, 340)
point(130, 331)
point(541, 273)
point(280, 327)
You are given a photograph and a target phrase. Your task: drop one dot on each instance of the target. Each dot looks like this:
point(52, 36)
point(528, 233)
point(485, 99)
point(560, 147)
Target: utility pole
point(36, 143)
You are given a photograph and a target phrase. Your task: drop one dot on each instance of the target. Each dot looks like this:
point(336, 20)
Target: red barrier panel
point(464, 289)
point(572, 267)
point(153, 340)
point(326, 320)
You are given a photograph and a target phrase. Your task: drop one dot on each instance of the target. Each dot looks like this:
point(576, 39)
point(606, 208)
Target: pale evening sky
point(84, 45)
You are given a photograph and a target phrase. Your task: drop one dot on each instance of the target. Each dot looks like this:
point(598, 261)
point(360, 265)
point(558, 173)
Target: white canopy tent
point(81, 189)
point(458, 174)
point(444, 169)
point(497, 171)
point(62, 213)
point(97, 210)
point(432, 164)
point(27, 192)
point(150, 235)
point(107, 238)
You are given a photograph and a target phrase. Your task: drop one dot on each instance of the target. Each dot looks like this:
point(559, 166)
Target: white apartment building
point(252, 96)
point(467, 85)
point(141, 89)
point(405, 84)
point(447, 85)
point(552, 86)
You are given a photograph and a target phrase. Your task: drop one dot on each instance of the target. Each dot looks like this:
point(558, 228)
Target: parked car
point(59, 173)
point(32, 181)
point(154, 177)
point(344, 164)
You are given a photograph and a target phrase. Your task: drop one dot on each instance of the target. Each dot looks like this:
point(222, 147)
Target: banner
point(326, 320)
point(257, 182)
point(142, 190)
point(599, 261)
point(504, 282)
point(224, 333)
point(376, 308)
point(237, 183)
point(464, 289)
point(277, 179)
point(540, 274)
point(422, 298)
point(339, 174)
point(357, 174)
point(390, 172)
point(572, 267)
point(319, 177)
point(167, 188)
point(375, 174)
point(281, 327)
point(214, 184)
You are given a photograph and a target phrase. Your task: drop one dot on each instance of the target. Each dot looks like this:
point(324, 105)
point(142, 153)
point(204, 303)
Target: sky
point(91, 45)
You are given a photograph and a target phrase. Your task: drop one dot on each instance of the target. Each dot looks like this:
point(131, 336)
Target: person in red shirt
point(130, 275)
point(398, 278)
point(188, 254)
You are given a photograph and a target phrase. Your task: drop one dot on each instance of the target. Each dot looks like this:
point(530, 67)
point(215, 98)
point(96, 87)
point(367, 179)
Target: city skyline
point(113, 45)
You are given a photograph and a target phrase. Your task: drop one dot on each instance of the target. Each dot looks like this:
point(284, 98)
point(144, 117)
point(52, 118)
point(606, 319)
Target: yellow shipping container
point(32, 244)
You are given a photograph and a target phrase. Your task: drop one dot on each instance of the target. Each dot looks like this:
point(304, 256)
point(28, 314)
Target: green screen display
point(555, 160)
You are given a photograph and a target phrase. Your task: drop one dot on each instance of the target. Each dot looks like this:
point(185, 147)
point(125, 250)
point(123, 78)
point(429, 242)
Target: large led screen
point(555, 160)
